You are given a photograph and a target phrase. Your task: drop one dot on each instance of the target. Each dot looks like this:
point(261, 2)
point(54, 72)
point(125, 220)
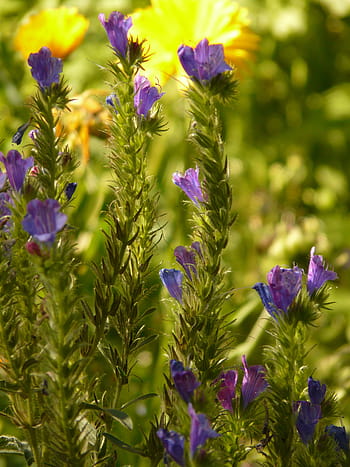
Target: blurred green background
point(288, 146)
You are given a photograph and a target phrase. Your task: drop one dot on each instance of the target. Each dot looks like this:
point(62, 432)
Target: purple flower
point(227, 390)
point(70, 189)
point(318, 274)
point(184, 380)
point(117, 27)
point(173, 443)
point(46, 69)
point(187, 258)
point(145, 95)
point(317, 391)
point(33, 134)
point(283, 286)
point(308, 415)
point(172, 279)
point(189, 184)
point(5, 212)
point(3, 178)
point(16, 168)
point(200, 430)
point(339, 435)
point(43, 220)
point(254, 382)
point(204, 62)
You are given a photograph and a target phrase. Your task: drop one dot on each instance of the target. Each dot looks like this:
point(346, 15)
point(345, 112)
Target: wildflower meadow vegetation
point(174, 248)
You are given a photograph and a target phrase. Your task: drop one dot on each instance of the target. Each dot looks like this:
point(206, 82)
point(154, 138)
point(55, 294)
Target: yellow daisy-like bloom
point(60, 29)
point(167, 24)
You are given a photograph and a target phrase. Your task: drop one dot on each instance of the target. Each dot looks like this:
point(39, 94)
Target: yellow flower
point(167, 24)
point(87, 117)
point(61, 29)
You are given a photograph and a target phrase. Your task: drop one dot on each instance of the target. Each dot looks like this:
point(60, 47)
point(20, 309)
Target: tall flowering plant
point(67, 357)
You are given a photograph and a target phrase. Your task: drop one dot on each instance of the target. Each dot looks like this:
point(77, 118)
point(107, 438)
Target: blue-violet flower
point(43, 220)
point(308, 415)
point(283, 286)
point(339, 435)
point(227, 390)
point(254, 382)
point(172, 279)
point(200, 430)
point(316, 390)
point(318, 274)
point(145, 95)
point(173, 443)
point(184, 380)
point(187, 258)
point(189, 184)
point(117, 27)
point(16, 167)
point(70, 189)
point(204, 62)
point(5, 212)
point(46, 69)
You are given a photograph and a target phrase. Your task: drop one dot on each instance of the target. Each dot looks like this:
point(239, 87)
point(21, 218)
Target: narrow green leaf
point(118, 415)
point(121, 417)
point(140, 398)
point(145, 341)
point(123, 445)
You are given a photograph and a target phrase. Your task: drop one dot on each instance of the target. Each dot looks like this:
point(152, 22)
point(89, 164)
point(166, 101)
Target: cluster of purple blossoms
point(253, 384)
point(145, 95)
point(204, 62)
point(46, 69)
point(185, 382)
point(190, 185)
point(117, 27)
point(284, 284)
point(308, 413)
